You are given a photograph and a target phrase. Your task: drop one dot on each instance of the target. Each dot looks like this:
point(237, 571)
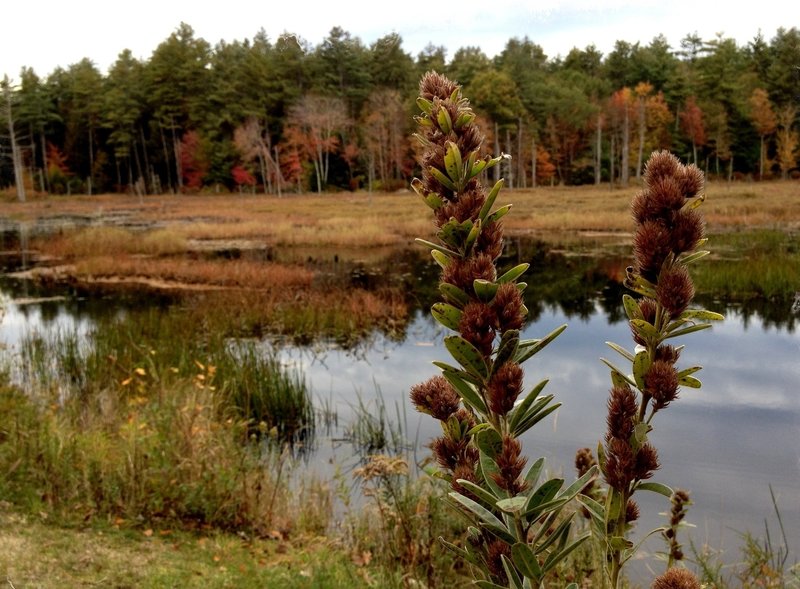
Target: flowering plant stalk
point(669, 235)
point(518, 532)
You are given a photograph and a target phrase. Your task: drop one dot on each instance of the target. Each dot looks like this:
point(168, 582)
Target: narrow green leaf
point(476, 169)
point(526, 562)
point(447, 315)
point(514, 273)
point(531, 419)
point(441, 258)
point(488, 468)
point(489, 442)
point(438, 248)
point(514, 580)
point(557, 557)
point(453, 294)
point(543, 494)
point(526, 351)
point(485, 290)
point(641, 364)
point(659, 488)
point(690, 329)
point(596, 511)
point(645, 329)
point(485, 517)
point(444, 120)
point(576, 487)
point(693, 204)
point(478, 491)
point(498, 214)
point(622, 351)
point(489, 202)
point(619, 543)
point(701, 315)
point(521, 410)
point(532, 476)
point(506, 349)
point(688, 371)
point(693, 257)
point(690, 381)
point(452, 162)
point(512, 504)
point(632, 309)
point(464, 389)
point(616, 371)
point(443, 178)
point(472, 236)
point(465, 118)
point(424, 105)
point(467, 355)
point(640, 432)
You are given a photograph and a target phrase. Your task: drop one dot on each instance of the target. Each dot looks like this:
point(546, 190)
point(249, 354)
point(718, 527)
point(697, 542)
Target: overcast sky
point(47, 34)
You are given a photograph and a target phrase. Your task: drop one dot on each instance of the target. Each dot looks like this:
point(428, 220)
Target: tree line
point(282, 116)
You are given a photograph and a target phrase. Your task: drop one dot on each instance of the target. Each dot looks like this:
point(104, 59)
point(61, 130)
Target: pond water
point(726, 443)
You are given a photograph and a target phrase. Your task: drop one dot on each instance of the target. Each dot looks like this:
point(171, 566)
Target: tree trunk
point(642, 128)
point(533, 163)
point(520, 162)
point(496, 152)
point(278, 174)
point(761, 160)
point(43, 143)
point(624, 173)
point(598, 170)
point(16, 156)
point(166, 157)
point(612, 161)
point(509, 163)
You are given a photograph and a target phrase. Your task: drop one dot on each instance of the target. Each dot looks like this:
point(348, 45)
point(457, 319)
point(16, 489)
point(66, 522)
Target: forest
point(282, 116)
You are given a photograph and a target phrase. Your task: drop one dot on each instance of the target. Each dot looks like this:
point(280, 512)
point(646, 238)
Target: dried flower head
point(661, 383)
point(622, 410)
point(510, 463)
point(435, 397)
point(508, 307)
point(505, 387)
point(477, 326)
point(676, 578)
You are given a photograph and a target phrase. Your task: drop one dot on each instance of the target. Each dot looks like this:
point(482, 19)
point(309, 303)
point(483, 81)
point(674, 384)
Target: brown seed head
point(651, 245)
point(631, 511)
point(646, 462)
point(622, 410)
point(435, 85)
point(675, 290)
point(619, 466)
point(661, 164)
point(477, 326)
point(661, 383)
point(687, 230)
point(508, 307)
point(435, 397)
point(505, 387)
point(494, 561)
point(676, 578)
point(510, 463)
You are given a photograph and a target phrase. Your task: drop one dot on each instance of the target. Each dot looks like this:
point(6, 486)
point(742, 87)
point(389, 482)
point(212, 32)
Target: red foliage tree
point(242, 177)
point(692, 125)
point(194, 164)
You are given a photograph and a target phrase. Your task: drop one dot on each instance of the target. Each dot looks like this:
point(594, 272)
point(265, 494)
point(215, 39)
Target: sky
point(46, 34)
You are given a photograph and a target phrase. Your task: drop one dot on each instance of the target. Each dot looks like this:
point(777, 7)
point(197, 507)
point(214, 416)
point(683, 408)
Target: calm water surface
point(726, 443)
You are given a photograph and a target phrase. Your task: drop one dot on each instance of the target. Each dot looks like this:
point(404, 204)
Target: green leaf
point(454, 233)
point(438, 248)
point(444, 120)
point(489, 442)
point(640, 432)
point(478, 491)
point(690, 381)
point(514, 580)
point(632, 309)
point(577, 486)
point(595, 509)
point(659, 488)
point(484, 517)
point(686, 330)
point(532, 418)
point(514, 273)
point(464, 389)
point(462, 374)
point(465, 118)
point(453, 294)
point(485, 290)
point(498, 214)
point(489, 202)
point(424, 105)
point(472, 236)
point(441, 258)
point(645, 329)
point(546, 492)
point(528, 348)
point(619, 374)
point(453, 164)
point(488, 468)
point(512, 504)
point(641, 364)
point(557, 557)
point(467, 355)
point(447, 315)
point(693, 257)
point(531, 404)
point(622, 351)
point(701, 315)
point(688, 371)
point(443, 178)
point(507, 349)
point(532, 476)
point(525, 561)
point(619, 543)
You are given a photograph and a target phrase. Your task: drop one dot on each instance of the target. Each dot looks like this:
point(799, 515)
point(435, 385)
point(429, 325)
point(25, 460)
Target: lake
point(726, 443)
